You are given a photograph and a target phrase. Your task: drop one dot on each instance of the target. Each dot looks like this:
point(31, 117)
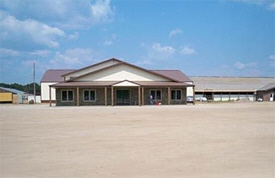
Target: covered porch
point(119, 93)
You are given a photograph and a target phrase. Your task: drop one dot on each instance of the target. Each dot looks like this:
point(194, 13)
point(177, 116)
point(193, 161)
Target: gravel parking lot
point(192, 141)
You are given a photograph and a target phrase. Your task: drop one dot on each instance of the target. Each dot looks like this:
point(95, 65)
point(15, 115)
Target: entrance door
point(123, 97)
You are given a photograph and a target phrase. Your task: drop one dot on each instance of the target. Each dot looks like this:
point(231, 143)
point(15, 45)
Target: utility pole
point(34, 90)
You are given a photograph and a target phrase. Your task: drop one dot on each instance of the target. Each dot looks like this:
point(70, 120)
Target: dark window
point(70, 95)
point(64, 95)
point(89, 95)
point(153, 93)
point(176, 94)
point(86, 95)
point(156, 94)
point(67, 95)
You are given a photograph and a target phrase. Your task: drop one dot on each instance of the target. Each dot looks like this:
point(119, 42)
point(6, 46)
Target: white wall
point(189, 91)
point(226, 97)
point(31, 97)
point(125, 84)
point(122, 72)
point(45, 93)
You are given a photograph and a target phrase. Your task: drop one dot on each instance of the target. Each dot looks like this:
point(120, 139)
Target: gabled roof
point(117, 64)
point(93, 65)
point(267, 87)
point(13, 90)
point(55, 75)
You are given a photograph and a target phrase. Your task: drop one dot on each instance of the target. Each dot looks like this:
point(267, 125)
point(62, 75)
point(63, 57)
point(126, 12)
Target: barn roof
point(55, 75)
point(231, 83)
point(13, 90)
point(267, 87)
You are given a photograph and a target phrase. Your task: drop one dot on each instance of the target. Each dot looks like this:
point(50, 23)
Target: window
point(89, 95)
point(176, 94)
point(67, 95)
point(156, 94)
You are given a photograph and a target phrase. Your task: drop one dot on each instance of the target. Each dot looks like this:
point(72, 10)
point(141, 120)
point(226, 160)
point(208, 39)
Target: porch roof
point(111, 83)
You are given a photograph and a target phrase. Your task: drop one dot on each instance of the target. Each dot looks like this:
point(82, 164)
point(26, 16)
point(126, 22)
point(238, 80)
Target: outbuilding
point(234, 88)
point(266, 93)
point(115, 82)
point(9, 95)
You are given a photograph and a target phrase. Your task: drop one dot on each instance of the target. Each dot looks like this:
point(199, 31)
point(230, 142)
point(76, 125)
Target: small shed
point(267, 92)
point(9, 95)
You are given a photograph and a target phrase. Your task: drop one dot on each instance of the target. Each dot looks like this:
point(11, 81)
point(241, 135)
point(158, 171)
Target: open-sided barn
point(235, 88)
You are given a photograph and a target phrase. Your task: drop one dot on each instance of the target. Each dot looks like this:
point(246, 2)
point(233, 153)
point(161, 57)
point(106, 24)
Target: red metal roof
point(55, 75)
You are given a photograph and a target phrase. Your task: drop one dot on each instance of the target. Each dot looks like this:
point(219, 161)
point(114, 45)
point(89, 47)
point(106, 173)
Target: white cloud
point(272, 57)
point(188, 51)
point(8, 52)
point(156, 53)
point(74, 58)
point(272, 6)
point(175, 32)
point(15, 30)
point(166, 50)
point(69, 14)
point(269, 4)
point(42, 53)
point(110, 41)
point(73, 36)
point(101, 10)
point(242, 66)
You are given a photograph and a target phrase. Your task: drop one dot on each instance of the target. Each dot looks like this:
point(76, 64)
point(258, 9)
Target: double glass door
point(123, 97)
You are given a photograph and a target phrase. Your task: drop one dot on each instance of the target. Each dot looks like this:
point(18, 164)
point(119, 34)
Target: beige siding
point(122, 72)
point(14, 99)
point(189, 91)
point(91, 69)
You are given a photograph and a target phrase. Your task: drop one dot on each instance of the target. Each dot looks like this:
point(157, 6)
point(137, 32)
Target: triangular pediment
point(120, 72)
point(91, 68)
point(125, 83)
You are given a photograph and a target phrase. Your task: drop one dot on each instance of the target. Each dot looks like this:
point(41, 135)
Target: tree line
point(26, 88)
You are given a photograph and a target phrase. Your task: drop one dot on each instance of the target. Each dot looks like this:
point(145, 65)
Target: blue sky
point(201, 38)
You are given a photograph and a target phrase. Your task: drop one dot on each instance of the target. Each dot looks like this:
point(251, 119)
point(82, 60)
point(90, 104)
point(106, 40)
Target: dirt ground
point(226, 140)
